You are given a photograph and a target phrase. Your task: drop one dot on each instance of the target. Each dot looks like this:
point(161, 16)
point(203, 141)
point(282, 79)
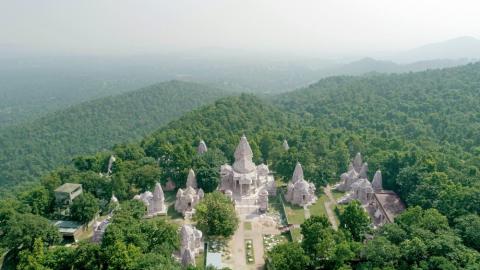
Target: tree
point(215, 215)
point(88, 256)
point(287, 256)
point(22, 230)
point(146, 176)
point(327, 248)
point(354, 220)
point(84, 208)
point(38, 198)
point(121, 256)
point(33, 260)
point(207, 178)
point(468, 227)
point(381, 252)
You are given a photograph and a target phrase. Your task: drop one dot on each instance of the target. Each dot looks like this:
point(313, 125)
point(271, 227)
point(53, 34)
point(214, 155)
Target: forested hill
point(441, 105)
point(30, 149)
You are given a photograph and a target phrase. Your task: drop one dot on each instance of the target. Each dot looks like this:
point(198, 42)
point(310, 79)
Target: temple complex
point(299, 191)
point(381, 205)
point(191, 244)
point(155, 202)
point(189, 197)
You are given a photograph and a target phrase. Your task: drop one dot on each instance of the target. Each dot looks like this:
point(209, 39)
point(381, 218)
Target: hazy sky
point(302, 26)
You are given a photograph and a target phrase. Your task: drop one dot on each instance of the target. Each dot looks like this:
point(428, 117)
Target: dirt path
point(329, 205)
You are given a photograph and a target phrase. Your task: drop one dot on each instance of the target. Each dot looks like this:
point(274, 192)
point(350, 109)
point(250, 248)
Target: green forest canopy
point(401, 123)
point(28, 150)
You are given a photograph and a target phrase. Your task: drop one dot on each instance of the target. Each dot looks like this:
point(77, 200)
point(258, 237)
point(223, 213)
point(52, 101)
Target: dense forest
point(420, 129)
point(30, 149)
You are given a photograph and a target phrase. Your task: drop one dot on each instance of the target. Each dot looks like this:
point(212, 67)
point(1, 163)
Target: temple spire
point(202, 147)
point(158, 192)
point(358, 162)
point(191, 179)
point(377, 181)
point(297, 173)
point(285, 145)
point(243, 157)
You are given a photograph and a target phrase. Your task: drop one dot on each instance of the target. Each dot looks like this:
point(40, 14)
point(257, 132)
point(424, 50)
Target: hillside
point(421, 129)
point(30, 149)
point(414, 127)
point(443, 105)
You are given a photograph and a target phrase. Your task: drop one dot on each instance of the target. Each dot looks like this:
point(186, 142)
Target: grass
point(200, 261)
point(247, 226)
point(296, 235)
point(295, 214)
point(337, 194)
point(318, 208)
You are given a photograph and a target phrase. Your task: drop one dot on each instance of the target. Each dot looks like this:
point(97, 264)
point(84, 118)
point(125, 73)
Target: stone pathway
point(329, 206)
point(261, 224)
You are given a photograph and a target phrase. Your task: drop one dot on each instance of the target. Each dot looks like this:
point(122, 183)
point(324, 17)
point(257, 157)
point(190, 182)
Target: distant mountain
point(457, 48)
point(29, 149)
point(368, 65)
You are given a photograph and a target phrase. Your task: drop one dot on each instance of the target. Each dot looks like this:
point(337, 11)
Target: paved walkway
point(329, 205)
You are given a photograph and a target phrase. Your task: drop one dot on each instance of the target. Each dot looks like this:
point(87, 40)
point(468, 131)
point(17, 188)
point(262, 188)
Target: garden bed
point(249, 251)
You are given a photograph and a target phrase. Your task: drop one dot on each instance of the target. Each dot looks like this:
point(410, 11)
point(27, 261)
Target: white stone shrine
point(155, 202)
point(381, 205)
point(191, 244)
point(244, 179)
point(189, 197)
point(202, 147)
point(299, 191)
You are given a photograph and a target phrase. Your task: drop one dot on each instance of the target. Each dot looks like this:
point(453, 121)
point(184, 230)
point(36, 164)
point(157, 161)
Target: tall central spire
point(243, 157)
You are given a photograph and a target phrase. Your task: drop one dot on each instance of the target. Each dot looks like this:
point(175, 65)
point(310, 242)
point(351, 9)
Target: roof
point(68, 187)
point(67, 226)
point(391, 204)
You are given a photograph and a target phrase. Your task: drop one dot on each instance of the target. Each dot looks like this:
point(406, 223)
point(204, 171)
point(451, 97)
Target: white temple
point(202, 147)
point(299, 191)
point(285, 145)
point(189, 197)
point(244, 179)
point(191, 244)
point(155, 202)
point(381, 205)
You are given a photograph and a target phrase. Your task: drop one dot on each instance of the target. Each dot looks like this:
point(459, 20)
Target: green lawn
point(200, 261)
point(296, 235)
point(295, 214)
point(247, 226)
point(318, 208)
point(337, 194)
